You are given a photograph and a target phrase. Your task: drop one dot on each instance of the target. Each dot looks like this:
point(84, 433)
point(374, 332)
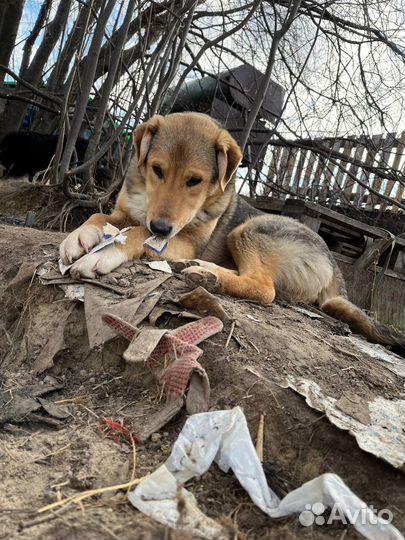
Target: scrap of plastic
point(223, 437)
point(162, 266)
point(330, 490)
point(74, 292)
point(158, 244)
point(119, 238)
point(177, 507)
point(111, 235)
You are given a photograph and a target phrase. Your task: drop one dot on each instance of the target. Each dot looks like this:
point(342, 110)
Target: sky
point(321, 118)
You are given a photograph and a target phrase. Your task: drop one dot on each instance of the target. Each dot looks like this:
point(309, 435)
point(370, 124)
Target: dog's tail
point(340, 308)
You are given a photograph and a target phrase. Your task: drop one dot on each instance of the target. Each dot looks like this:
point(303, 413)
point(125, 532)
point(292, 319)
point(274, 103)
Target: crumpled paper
point(223, 437)
point(156, 243)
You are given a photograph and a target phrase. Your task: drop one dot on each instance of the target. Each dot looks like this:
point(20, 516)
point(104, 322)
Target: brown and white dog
point(181, 185)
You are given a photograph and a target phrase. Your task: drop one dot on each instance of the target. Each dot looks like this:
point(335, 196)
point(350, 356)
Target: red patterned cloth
point(177, 349)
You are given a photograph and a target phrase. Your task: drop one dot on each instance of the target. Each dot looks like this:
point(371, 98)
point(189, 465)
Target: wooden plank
point(395, 166)
point(340, 177)
point(273, 168)
point(350, 182)
point(342, 232)
point(373, 253)
point(307, 174)
point(268, 204)
point(282, 170)
point(255, 182)
point(334, 217)
point(388, 272)
point(289, 167)
point(298, 172)
point(327, 189)
point(386, 303)
point(351, 251)
point(396, 252)
point(369, 160)
point(387, 144)
point(400, 197)
point(316, 183)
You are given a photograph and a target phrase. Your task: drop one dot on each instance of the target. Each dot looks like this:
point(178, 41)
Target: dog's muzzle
point(160, 227)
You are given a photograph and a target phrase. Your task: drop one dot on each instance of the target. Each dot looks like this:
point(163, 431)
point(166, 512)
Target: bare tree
point(14, 113)
point(39, 24)
point(10, 16)
point(341, 65)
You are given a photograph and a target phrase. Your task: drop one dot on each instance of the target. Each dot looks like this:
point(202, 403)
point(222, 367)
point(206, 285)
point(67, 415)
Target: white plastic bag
point(223, 437)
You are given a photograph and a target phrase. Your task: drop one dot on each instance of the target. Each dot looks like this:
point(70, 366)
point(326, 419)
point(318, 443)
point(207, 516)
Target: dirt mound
point(261, 351)
point(18, 197)
point(38, 205)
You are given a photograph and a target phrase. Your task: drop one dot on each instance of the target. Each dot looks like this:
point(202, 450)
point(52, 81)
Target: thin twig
point(90, 493)
point(230, 334)
point(260, 438)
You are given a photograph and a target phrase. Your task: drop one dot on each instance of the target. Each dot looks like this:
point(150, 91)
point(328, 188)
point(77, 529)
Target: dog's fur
point(240, 251)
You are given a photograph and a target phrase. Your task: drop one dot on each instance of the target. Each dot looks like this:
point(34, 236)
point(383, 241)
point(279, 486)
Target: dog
point(181, 185)
point(29, 152)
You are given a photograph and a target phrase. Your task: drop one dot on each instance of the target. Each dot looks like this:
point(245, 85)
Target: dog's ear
point(229, 156)
point(143, 137)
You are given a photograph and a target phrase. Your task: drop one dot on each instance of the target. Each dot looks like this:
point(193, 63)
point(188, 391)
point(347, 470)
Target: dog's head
point(186, 161)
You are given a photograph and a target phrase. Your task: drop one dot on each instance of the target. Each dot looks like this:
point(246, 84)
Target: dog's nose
point(161, 226)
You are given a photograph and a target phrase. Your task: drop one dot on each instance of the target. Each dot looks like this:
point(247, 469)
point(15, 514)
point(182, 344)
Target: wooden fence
point(331, 180)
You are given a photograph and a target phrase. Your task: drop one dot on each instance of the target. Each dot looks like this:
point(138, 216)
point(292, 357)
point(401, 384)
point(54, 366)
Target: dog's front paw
point(102, 262)
point(79, 242)
point(179, 265)
point(198, 276)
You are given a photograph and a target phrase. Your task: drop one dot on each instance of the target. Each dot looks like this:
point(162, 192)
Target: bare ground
point(41, 463)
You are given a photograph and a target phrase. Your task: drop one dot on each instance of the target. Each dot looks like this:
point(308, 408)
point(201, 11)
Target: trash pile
point(111, 310)
point(223, 437)
point(165, 331)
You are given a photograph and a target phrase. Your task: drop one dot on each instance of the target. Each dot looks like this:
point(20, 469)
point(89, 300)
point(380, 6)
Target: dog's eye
point(193, 181)
point(158, 171)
